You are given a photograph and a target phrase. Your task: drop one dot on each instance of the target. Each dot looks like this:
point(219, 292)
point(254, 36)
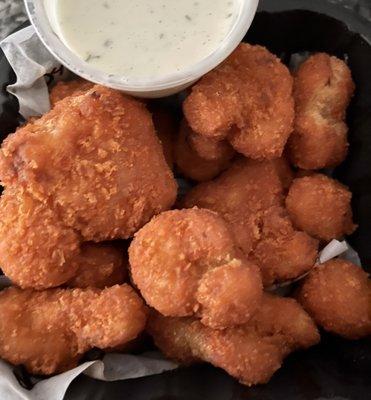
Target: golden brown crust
point(337, 295)
point(98, 265)
point(209, 148)
point(95, 157)
point(190, 164)
point(250, 197)
point(48, 331)
point(321, 206)
point(35, 247)
point(181, 257)
point(61, 90)
point(322, 90)
point(247, 100)
point(252, 352)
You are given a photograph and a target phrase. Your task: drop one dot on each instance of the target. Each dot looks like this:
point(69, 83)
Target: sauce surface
point(144, 38)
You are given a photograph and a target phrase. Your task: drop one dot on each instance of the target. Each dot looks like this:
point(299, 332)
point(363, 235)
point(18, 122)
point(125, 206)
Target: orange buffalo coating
point(185, 262)
point(320, 206)
point(337, 295)
point(250, 197)
point(251, 353)
point(247, 101)
point(189, 162)
point(323, 88)
point(49, 331)
point(96, 160)
point(99, 265)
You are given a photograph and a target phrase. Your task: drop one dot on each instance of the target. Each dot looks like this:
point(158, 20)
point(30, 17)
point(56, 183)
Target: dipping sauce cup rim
point(39, 19)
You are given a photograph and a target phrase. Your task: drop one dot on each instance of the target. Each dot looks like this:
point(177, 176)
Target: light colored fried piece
point(49, 331)
point(337, 295)
point(185, 262)
point(98, 265)
point(283, 253)
point(251, 353)
point(209, 148)
point(96, 159)
point(321, 206)
point(166, 127)
point(35, 247)
point(241, 195)
point(190, 164)
point(63, 89)
point(323, 89)
point(247, 100)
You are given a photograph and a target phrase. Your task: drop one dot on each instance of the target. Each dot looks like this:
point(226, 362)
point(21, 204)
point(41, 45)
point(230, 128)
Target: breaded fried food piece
point(247, 100)
point(49, 331)
point(190, 164)
point(96, 159)
point(321, 206)
point(337, 294)
point(63, 89)
point(36, 249)
point(98, 265)
point(251, 353)
point(283, 253)
point(185, 262)
point(242, 194)
point(323, 88)
point(250, 197)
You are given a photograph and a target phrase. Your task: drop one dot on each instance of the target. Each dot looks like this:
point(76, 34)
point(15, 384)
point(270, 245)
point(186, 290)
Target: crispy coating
point(283, 253)
point(247, 100)
point(35, 247)
point(250, 197)
point(209, 148)
point(98, 266)
point(49, 331)
point(190, 164)
point(337, 295)
point(323, 89)
point(96, 159)
point(185, 262)
point(321, 206)
point(241, 195)
point(251, 353)
point(66, 89)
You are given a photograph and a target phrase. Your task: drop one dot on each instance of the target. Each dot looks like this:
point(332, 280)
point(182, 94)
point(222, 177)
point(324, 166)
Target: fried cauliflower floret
point(35, 247)
point(241, 195)
point(98, 265)
point(250, 197)
point(185, 262)
point(62, 89)
point(96, 159)
point(247, 101)
point(190, 164)
point(337, 295)
point(323, 89)
point(49, 331)
point(320, 206)
point(283, 253)
point(251, 353)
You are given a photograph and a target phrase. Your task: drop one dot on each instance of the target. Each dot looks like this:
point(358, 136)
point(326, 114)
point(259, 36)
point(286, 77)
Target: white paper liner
point(31, 61)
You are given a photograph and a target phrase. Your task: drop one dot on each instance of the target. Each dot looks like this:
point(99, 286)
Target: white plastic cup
point(40, 13)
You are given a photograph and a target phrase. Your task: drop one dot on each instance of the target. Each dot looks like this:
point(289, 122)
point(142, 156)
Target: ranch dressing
point(144, 38)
